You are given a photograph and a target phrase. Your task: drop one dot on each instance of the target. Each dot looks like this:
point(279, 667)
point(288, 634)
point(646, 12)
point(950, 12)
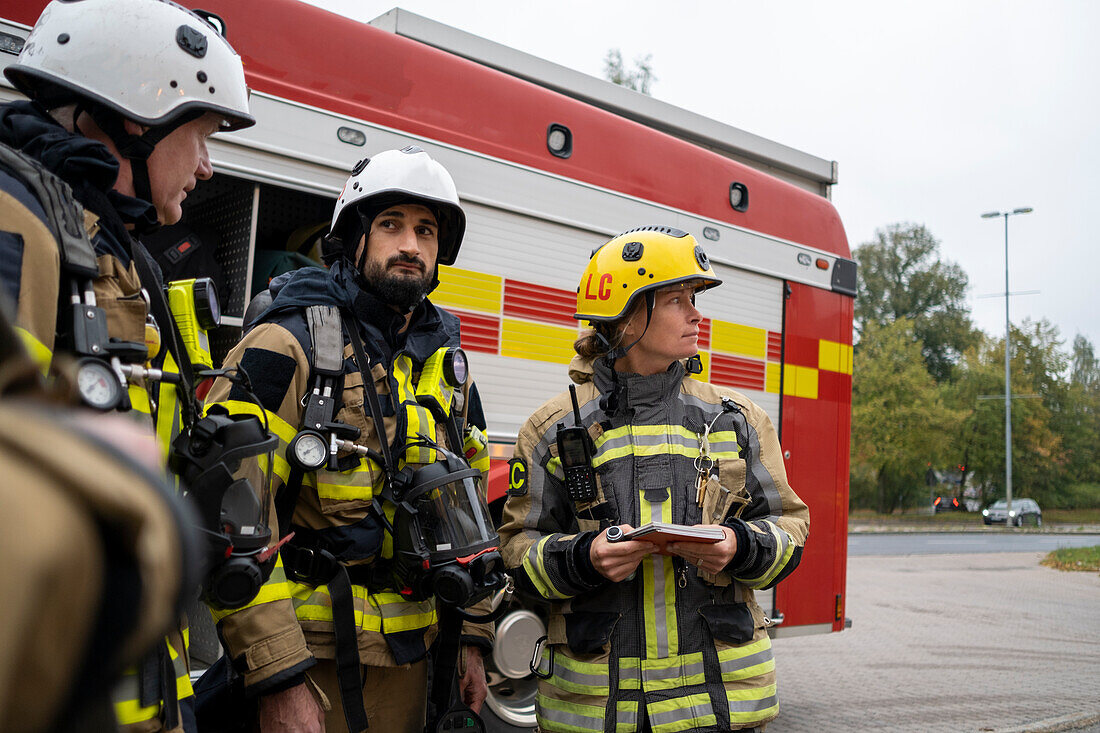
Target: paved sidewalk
point(981, 642)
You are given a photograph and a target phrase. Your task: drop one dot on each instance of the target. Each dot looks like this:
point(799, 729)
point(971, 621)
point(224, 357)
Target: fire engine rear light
point(351, 136)
point(739, 196)
point(822, 263)
point(559, 140)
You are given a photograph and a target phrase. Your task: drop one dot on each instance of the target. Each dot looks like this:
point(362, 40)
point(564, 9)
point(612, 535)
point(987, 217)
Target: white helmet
point(394, 177)
point(151, 61)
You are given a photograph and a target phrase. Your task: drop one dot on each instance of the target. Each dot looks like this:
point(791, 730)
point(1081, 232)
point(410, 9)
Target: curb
point(1054, 725)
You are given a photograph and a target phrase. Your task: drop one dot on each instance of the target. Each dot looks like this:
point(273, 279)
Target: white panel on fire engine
point(299, 147)
point(526, 248)
point(512, 389)
point(749, 301)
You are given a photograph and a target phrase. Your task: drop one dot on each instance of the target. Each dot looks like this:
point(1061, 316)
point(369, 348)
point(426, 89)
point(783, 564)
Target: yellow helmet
point(638, 261)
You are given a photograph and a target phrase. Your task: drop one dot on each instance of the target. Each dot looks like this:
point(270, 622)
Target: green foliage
point(898, 416)
point(640, 79)
point(902, 276)
point(911, 316)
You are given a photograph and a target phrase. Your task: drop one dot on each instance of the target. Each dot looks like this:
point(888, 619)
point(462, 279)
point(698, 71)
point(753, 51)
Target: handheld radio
point(575, 452)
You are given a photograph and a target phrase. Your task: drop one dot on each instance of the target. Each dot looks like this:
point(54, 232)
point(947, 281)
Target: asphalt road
point(941, 543)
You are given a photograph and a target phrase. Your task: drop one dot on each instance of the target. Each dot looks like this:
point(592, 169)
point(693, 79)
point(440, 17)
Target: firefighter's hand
point(293, 710)
point(616, 561)
point(711, 558)
point(472, 685)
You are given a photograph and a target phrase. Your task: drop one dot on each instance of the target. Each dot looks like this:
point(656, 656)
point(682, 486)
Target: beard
point(401, 289)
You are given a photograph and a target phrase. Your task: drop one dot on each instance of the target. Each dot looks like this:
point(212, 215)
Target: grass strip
point(1074, 558)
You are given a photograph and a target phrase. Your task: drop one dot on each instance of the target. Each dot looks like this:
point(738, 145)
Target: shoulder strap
point(328, 341)
point(149, 275)
point(64, 214)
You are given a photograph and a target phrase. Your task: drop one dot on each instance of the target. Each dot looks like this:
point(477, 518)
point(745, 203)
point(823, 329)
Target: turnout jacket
point(273, 640)
point(687, 648)
point(31, 276)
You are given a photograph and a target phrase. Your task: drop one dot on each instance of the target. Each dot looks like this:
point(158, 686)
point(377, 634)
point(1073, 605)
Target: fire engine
point(550, 163)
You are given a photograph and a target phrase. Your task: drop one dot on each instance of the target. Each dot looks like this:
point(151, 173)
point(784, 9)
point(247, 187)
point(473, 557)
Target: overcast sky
point(936, 111)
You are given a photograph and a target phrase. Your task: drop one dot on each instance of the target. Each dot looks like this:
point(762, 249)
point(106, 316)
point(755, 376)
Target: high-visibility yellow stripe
point(782, 540)
point(659, 567)
point(626, 716)
point(734, 338)
point(139, 399)
point(127, 700)
point(37, 350)
point(284, 430)
point(537, 341)
point(469, 290)
point(568, 717)
point(354, 485)
point(315, 604)
point(536, 571)
point(275, 589)
point(689, 705)
point(418, 421)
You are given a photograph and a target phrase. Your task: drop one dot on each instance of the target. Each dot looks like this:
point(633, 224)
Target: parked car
point(1024, 511)
point(948, 504)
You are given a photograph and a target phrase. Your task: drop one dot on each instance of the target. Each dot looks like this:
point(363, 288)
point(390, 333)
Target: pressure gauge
point(308, 451)
point(455, 368)
point(98, 385)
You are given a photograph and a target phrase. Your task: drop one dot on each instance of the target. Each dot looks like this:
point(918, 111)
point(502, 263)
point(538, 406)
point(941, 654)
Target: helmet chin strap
point(611, 401)
point(134, 148)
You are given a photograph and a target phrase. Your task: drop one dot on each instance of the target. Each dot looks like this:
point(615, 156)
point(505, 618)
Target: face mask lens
point(454, 517)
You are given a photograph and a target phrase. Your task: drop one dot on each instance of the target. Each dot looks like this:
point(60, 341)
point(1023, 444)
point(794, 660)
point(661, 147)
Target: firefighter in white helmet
point(397, 219)
point(643, 638)
point(123, 95)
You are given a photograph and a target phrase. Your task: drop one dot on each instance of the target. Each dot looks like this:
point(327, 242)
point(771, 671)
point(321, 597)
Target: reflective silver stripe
point(752, 704)
point(742, 667)
point(626, 716)
point(763, 477)
point(569, 675)
point(559, 715)
point(677, 672)
point(682, 713)
point(629, 673)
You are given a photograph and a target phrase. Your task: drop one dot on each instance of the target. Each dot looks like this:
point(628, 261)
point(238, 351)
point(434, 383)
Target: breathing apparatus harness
point(444, 543)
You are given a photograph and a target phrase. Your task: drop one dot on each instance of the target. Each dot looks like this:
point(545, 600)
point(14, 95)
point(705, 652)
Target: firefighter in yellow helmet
point(640, 637)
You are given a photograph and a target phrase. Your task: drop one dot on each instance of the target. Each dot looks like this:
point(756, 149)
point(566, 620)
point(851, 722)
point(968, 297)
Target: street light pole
point(1008, 358)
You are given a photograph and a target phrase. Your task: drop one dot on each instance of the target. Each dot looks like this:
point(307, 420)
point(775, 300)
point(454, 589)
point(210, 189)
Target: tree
point(1079, 424)
point(902, 276)
point(899, 419)
point(1038, 393)
point(640, 79)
